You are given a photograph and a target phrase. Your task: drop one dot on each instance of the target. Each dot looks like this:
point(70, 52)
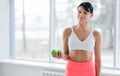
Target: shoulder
point(67, 31)
point(97, 34)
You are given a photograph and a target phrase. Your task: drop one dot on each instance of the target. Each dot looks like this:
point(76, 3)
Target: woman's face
point(83, 16)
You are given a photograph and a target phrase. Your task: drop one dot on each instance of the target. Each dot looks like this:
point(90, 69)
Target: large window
point(32, 29)
point(39, 26)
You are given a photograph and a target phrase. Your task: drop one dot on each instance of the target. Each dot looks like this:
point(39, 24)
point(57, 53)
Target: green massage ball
point(53, 52)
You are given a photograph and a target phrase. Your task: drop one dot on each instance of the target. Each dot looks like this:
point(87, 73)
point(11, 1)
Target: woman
point(81, 43)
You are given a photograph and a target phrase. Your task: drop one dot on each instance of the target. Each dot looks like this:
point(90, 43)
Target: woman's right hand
point(60, 55)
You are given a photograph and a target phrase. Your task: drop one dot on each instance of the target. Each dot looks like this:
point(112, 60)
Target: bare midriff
point(80, 55)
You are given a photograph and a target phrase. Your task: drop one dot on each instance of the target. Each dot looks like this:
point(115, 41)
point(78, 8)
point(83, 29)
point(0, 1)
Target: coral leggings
point(80, 68)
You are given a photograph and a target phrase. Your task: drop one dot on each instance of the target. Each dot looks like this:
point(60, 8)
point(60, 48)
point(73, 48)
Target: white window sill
point(44, 65)
point(54, 66)
point(110, 72)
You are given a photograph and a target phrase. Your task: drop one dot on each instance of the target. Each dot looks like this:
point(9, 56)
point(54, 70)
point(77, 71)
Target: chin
point(81, 22)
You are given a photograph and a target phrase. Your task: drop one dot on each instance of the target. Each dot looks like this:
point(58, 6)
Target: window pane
point(118, 66)
point(32, 29)
point(118, 47)
point(105, 22)
point(66, 15)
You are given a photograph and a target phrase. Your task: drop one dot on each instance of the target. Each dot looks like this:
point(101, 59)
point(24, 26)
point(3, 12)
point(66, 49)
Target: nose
point(80, 15)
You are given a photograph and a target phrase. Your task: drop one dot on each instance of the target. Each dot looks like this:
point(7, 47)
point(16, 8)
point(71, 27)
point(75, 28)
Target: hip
point(81, 66)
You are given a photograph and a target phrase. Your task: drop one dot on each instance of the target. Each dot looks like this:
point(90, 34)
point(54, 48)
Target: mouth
point(81, 18)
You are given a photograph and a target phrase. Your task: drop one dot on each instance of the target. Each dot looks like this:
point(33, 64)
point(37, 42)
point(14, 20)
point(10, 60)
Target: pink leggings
point(80, 68)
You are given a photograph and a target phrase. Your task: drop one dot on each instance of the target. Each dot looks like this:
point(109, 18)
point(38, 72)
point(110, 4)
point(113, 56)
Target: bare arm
point(65, 54)
point(66, 35)
point(97, 49)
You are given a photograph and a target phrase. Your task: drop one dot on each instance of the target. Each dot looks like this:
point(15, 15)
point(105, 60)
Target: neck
point(84, 26)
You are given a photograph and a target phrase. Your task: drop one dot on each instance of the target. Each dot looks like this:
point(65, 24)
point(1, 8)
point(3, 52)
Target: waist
point(80, 56)
point(86, 50)
point(73, 62)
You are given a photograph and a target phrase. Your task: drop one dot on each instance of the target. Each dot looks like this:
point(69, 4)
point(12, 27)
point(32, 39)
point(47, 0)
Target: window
point(32, 29)
point(39, 26)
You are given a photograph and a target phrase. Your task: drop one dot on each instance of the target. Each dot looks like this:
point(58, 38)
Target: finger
point(59, 54)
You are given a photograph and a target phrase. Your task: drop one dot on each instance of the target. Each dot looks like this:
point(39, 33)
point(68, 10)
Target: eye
point(79, 11)
point(85, 12)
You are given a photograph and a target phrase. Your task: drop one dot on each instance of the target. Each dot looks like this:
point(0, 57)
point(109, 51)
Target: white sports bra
point(74, 43)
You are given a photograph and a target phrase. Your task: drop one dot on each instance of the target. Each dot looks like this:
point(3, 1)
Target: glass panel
point(32, 29)
point(103, 20)
point(64, 17)
point(118, 39)
point(118, 42)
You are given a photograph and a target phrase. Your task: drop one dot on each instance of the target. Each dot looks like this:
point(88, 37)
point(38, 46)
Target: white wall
point(27, 68)
point(19, 70)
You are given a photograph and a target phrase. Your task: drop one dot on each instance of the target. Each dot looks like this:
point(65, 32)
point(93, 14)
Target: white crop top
point(74, 43)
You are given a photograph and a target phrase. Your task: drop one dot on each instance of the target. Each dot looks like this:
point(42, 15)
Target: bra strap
point(72, 29)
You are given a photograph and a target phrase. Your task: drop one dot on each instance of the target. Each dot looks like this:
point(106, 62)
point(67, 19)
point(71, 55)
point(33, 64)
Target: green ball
point(53, 52)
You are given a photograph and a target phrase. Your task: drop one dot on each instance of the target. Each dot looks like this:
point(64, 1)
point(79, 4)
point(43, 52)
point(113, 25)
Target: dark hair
point(87, 6)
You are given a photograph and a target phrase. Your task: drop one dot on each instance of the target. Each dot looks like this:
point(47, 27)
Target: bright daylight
point(59, 38)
